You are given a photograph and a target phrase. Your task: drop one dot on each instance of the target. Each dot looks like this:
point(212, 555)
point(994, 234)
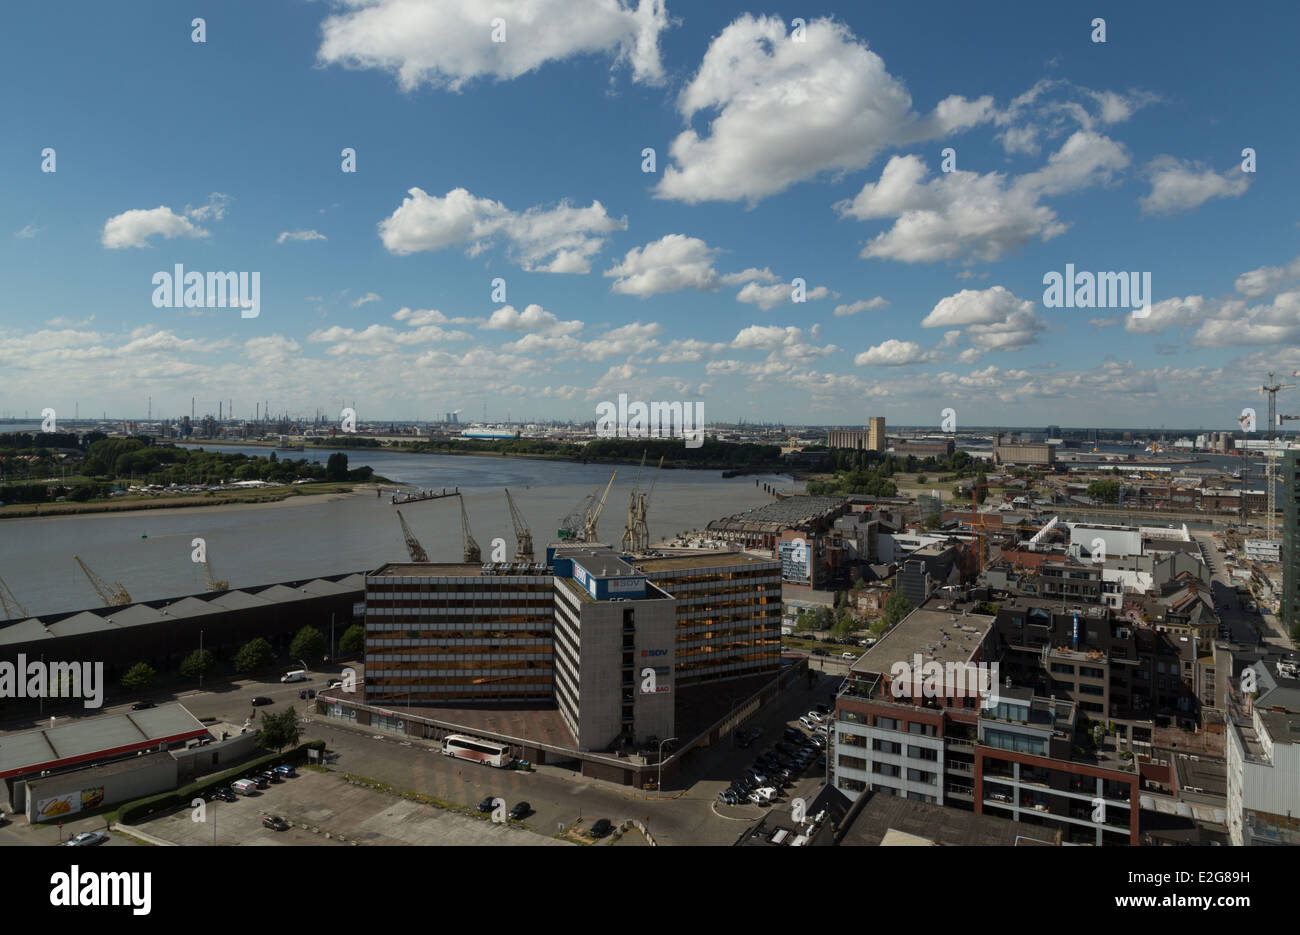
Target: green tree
point(844, 625)
point(253, 655)
point(921, 478)
point(933, 521)
point(279, 730)
point(336, 467)
point(1105, 490)
point(139, 677)
point(198, 663)
point(308, 643)
point(896, 608)
point(353, 642)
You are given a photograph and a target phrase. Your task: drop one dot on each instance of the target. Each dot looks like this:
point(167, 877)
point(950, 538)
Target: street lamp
point(659, 786)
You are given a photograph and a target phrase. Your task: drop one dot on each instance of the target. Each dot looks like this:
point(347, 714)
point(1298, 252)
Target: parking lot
point(326, 810)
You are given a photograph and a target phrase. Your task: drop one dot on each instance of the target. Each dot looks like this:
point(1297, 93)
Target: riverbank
point(248, 497)
point(358, 451)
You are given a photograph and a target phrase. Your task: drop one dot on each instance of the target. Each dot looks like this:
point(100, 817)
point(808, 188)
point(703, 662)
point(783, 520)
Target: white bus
point(480, 751)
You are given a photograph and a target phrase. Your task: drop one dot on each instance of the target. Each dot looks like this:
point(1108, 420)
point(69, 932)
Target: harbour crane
point(112, 595)
point(523, 537)
point(13, 610)
point(413, 547)
point(214, 583)
point(473, 554)
point(640, 512)
point(643, 508)
point(593, 515)
point(630, 529)
point(572, 525)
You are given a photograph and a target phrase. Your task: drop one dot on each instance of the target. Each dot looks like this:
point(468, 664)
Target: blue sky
point(776, 159)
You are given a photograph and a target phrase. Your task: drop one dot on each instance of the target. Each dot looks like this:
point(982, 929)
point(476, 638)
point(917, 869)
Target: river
point(149, 551)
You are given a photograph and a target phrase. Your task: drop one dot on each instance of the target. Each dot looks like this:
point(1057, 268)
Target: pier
point(400, 498)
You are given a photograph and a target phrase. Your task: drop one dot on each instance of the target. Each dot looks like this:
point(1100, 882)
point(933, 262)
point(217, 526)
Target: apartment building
point(1003, 751)
point(1263, 753)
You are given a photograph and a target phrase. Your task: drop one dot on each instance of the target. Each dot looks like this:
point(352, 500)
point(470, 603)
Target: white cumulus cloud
point(561, 239)
point(447, 43)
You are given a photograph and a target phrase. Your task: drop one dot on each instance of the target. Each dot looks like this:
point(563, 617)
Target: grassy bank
point(211, 498)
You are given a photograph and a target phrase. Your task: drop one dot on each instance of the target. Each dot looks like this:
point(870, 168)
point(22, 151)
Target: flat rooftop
point(792, 511)
point(453, 570)
point(881, 819)
point(937, 635)
point(91, 738)
point(716, 559)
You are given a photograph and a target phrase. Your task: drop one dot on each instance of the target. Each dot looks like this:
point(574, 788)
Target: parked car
point(260, 700)
point(727, 797)
point(258, 780)
point(601, 828)
point(848, 655)
point(822, 709)
point(487, 804)
point(226, 794)
point(819, 652)
point(334, 683)
point(244, 786)
point(808, 722)
point(815, 717)
point(275, 823)
point(271, 775)
point(143, 706)
point(306, 693)
point(285, 770)
point(86, 839)
point(521, 811)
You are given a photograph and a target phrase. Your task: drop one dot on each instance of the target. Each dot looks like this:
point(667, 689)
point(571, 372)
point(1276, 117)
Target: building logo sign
point(654, 652)
point(626, 585)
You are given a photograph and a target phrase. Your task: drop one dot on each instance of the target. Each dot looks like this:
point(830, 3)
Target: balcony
point(960, 791)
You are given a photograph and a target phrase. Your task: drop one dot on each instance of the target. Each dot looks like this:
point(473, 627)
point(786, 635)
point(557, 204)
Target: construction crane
point(523, 537)
point(1271, 389)
point(13, 610)
point(593, 515)
point(630, 529)
point(112, 595)
point(473, 554)
point(413, 547)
